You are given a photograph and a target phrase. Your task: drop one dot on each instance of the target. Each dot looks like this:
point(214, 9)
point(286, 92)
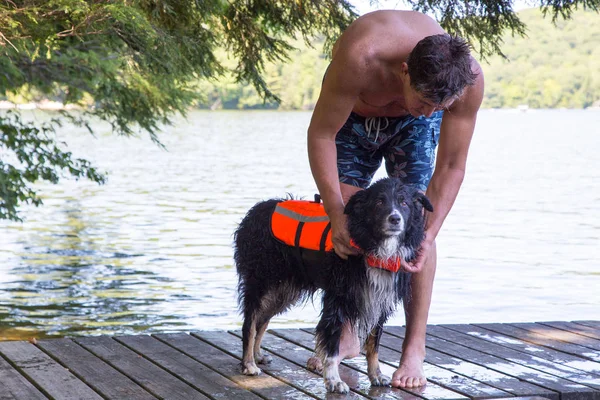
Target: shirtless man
point(397, 84)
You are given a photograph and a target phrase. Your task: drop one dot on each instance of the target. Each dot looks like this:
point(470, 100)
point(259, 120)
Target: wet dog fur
point(385, 220)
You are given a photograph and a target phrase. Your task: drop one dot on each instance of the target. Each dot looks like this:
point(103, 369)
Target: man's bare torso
point(383, 40)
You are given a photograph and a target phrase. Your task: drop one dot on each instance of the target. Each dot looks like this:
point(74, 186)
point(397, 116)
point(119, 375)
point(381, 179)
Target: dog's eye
point(379, 203)
point(403, 203)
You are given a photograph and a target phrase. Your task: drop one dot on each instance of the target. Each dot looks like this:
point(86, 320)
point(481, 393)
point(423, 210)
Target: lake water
point(151, 250)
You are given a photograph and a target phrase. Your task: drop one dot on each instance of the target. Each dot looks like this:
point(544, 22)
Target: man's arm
point(457, 128)
point(339, 93)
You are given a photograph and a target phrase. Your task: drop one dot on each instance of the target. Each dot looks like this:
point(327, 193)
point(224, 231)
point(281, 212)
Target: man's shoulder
point(379, 36)
point(396, 16)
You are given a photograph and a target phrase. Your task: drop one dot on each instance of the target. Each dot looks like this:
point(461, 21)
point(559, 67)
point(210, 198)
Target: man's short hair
point(440, 67)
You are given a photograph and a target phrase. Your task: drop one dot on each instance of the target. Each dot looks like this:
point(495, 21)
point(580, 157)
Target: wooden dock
point(553, 360)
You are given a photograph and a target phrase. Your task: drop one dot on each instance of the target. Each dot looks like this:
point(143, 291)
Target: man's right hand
point(341, 237)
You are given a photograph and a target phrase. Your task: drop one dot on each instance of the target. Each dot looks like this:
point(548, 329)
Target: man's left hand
point(416, 265)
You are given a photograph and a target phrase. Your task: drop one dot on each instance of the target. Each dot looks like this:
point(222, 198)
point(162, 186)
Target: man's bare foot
point(349, 348)
point(349, 343)
point(410, 373)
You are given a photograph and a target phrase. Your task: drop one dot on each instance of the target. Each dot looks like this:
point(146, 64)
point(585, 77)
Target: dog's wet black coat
point(271, 278)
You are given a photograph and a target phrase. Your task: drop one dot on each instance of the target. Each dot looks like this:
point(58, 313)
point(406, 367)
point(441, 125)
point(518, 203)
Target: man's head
point(439, 70)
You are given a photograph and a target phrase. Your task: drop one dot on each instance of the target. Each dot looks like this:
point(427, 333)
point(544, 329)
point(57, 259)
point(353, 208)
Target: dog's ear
point(421, 198)
point(356, 203)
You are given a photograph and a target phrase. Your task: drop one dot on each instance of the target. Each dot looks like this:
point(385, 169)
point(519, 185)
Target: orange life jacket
point(302, 223)
point(305, 224)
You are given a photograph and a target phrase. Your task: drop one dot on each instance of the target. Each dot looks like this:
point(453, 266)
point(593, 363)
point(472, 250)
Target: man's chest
point(381, 103)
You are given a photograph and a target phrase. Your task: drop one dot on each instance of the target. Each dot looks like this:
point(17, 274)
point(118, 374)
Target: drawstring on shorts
point(374, 123)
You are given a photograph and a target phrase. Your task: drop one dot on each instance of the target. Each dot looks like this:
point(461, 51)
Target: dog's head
point(388, 209)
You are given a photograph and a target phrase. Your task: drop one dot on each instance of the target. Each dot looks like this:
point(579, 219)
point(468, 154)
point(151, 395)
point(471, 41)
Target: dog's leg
point(248, 340)
point(372, 347)
point(328, 334)
point(259, 356)
point(274, 302)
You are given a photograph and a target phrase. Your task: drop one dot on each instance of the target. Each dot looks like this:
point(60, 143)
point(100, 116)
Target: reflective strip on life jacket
point(302, 224)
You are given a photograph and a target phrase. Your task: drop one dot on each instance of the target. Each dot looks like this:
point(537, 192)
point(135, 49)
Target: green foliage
point(296, 82)
point(135, 63)
point(36, 155)
point(554, 66)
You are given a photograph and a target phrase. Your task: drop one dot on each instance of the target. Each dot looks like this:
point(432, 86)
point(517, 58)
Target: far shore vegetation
point(554, 66)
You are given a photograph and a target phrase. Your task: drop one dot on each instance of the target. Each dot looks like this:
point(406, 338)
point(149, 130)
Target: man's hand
point(417, 264)
point(340, 236)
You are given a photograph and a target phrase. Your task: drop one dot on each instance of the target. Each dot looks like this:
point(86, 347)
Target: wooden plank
point(186, 368)
point(146, 374)
point(523, 398)
point(542, 340)
point(592, 324)
point(93, 371)
point(578, 377)
point(280, 368)
point(578, 329)
point(52, 378)
point(14, 386)
point(486, 380)
point(264, 385)
point(560, 335)
point(358, 381)
point(549, 383)
point(433, 390)
point(561, 361)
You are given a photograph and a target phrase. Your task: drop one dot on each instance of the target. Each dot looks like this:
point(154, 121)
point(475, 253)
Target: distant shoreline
point(48, 105)
point(41, 105)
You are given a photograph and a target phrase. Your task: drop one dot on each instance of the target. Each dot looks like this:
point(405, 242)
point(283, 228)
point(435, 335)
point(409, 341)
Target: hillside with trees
point(554, 66)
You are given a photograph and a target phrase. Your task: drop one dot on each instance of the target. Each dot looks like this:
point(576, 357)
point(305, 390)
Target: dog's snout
point(394, 219)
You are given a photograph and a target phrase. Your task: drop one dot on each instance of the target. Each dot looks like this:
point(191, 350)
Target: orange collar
point(392, 264)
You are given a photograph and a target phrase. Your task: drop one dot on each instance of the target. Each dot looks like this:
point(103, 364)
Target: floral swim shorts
point(406, 143)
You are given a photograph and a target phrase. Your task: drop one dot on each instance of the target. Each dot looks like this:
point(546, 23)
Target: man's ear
point(356, 203)
point(404, 69)
point(421, 198)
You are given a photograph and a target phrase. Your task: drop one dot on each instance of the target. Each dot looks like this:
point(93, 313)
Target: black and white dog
point(386, 221)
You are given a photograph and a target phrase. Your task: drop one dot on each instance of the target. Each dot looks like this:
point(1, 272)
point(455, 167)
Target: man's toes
point(402, 382)
point(411, 382)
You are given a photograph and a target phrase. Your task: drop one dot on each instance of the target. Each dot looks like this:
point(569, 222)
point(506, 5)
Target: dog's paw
point(250, 369)
point(380, 380)
point(336, 386)
point(263, 358)
point(314, 364)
